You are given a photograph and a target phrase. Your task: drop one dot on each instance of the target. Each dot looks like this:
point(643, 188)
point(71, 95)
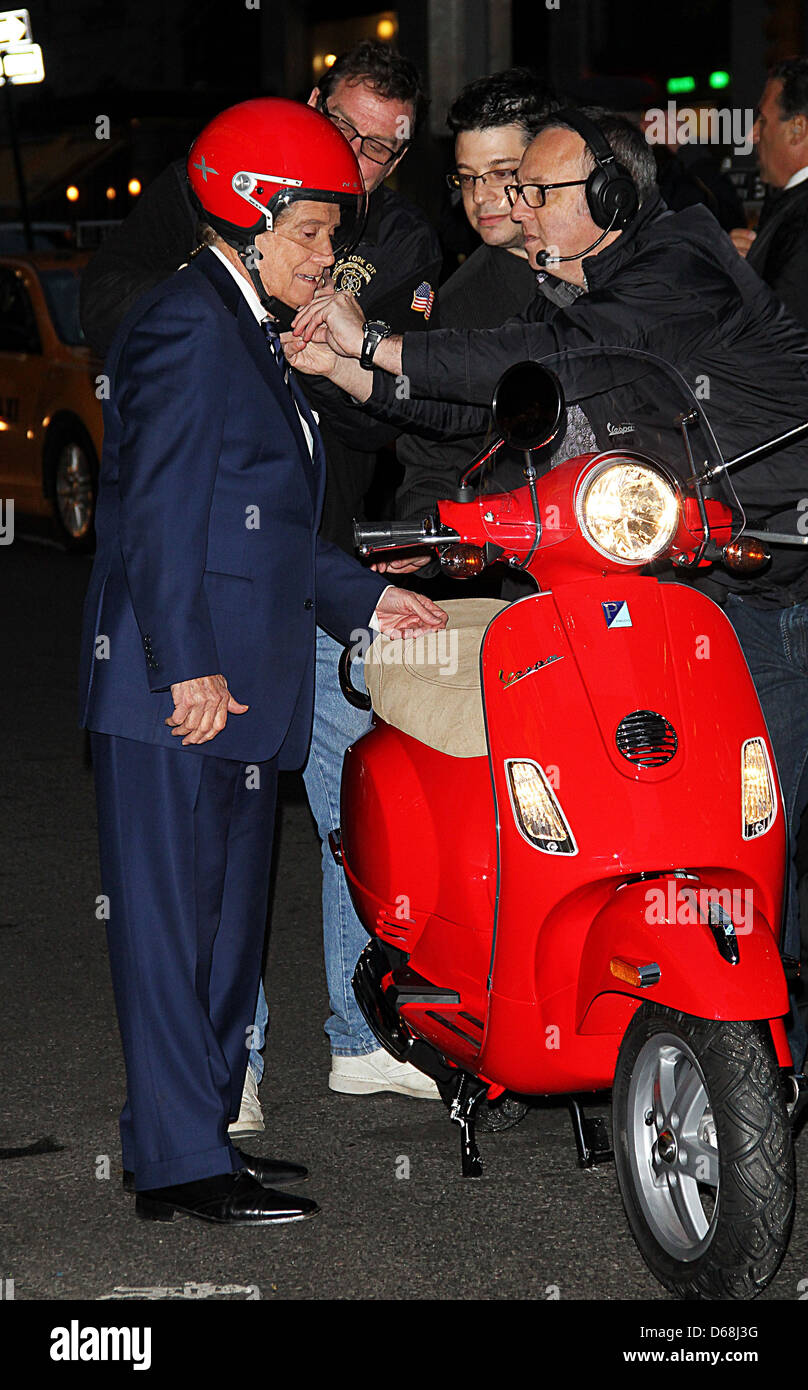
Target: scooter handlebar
point(370, 536)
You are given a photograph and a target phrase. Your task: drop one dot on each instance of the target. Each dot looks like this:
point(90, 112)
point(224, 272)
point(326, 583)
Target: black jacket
point(486, 290)
point(398, 251)
point(693, 176)
point(671, 284)
point(779, 253)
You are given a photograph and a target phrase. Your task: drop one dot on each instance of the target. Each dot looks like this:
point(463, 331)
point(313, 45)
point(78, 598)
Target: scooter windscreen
point(641, 416)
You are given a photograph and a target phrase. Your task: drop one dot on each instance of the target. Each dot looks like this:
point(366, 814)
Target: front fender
point(652, 921)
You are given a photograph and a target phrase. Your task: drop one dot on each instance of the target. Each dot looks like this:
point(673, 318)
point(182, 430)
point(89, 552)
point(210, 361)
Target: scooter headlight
point(628, 510)
point(759, 802)
point(536, 810)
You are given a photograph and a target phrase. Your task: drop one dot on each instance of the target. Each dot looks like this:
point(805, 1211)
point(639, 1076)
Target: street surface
point(535, 1227)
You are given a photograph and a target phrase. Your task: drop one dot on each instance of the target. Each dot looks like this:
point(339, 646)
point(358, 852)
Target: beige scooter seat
point(429, 686)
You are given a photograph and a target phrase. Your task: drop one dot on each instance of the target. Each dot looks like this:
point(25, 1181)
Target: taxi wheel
point(72, 480)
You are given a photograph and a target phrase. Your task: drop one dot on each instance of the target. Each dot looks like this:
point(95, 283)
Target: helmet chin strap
point(249, 255)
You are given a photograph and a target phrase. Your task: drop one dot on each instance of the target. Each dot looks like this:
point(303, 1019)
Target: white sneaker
point(378, 1071)
point(250, 1116)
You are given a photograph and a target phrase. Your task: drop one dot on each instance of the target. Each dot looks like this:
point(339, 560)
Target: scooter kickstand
point(591, 1136)
point(462, 1110)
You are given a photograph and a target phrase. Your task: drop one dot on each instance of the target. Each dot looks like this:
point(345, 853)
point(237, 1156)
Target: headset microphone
point(544, 258)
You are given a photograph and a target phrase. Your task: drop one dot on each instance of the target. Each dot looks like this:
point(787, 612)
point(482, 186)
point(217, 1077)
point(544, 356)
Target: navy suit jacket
point(208, 558)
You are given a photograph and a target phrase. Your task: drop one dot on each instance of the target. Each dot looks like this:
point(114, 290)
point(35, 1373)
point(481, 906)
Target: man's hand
point(401, 613)
point(315, 359)
point(201, 707)
point(742, 239)
point(407, 566)
point(337, 320)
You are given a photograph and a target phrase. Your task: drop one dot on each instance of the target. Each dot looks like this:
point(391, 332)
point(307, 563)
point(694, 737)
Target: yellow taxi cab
point(50, 394)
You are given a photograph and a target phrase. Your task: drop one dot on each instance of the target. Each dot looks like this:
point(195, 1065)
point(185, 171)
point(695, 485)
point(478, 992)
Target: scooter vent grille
point(646, 738)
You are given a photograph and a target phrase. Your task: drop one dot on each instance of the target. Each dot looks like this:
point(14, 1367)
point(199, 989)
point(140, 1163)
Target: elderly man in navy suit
point(199, 625)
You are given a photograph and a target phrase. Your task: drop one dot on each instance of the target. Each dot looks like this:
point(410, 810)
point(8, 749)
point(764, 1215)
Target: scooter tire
point(735, 1125)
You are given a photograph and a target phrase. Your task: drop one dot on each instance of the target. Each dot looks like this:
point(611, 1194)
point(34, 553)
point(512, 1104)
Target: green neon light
point(719, 79)
point(681, 84)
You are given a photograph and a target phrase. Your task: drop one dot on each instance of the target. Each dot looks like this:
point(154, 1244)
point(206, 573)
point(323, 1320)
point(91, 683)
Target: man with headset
point(627, 273)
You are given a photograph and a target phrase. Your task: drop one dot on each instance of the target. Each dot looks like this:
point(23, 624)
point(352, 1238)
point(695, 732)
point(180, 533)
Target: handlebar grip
point(386, 535)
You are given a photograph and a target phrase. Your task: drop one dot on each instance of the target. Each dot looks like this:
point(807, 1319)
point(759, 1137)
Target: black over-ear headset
point(611, 193)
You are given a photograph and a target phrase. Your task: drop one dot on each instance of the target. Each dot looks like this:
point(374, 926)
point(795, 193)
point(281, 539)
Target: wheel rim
point(673, 1147)
point(74, 490)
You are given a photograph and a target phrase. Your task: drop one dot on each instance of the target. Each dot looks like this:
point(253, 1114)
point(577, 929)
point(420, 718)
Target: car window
point(61, 290)
point(18, 330)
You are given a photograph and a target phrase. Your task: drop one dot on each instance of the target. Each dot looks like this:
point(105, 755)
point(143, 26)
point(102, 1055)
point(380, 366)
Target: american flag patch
point(423, 299)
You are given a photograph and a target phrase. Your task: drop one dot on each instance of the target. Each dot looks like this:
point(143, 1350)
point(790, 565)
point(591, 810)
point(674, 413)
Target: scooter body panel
point(685, 815)
point(402, 804)
point(525, 936)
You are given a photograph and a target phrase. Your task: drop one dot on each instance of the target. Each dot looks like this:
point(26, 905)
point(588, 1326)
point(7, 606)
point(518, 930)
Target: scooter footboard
point(715, 954)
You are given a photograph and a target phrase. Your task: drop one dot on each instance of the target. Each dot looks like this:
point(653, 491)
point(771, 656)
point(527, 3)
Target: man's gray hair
point(206, 235)
point(630, 146)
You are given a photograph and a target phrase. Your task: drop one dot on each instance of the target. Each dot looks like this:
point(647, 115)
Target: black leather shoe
point(230, 1199)
point(267, 1171)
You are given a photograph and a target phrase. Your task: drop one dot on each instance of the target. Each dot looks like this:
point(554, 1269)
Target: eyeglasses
point(497, 178)
point(374, 150)
point(534, 195)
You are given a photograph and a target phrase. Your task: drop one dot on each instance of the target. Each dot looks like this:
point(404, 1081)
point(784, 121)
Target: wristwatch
point(372, 334)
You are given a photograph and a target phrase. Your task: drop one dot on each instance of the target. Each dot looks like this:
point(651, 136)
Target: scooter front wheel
point(704, 1152)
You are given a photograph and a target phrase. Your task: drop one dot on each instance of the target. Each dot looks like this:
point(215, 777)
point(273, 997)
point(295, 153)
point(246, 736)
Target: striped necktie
point(273, 337)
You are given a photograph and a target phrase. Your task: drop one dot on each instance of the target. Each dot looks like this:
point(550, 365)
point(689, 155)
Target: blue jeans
point(336, 725)
point(255, 1061)
point(775, 644)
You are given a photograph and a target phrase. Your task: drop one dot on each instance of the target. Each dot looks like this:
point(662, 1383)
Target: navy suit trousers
point(185, 846)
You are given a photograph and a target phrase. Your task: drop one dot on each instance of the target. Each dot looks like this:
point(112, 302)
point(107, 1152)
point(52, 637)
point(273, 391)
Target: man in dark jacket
point(493, 120)
point(374, 98)
point(670, 284)
point(778, 250)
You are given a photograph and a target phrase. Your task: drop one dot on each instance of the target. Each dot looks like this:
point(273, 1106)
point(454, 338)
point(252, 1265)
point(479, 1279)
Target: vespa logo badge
point(617, 614)
point(513, 676)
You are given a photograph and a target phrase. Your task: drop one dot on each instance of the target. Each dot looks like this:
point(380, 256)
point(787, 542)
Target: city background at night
point(126, 87)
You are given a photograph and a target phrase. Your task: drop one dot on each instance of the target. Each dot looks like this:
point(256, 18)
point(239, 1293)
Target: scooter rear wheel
point(704, 1152)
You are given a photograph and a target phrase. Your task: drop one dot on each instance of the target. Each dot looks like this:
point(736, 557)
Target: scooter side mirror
point(529, 407)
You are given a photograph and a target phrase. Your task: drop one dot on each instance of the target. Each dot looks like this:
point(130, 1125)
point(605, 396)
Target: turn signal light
point(757, 789)
point(746, 555)
point(640, 976)
point(537, 812)
point(463, 561)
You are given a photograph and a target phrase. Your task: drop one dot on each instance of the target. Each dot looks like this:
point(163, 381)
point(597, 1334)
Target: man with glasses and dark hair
point(374, 96)
point(778, 250)
point(493, 120)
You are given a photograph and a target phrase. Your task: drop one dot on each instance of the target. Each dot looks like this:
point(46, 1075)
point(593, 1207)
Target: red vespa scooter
point(565, 834)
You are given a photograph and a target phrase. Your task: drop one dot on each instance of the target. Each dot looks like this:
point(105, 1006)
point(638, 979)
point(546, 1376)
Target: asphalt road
point(535, 1227)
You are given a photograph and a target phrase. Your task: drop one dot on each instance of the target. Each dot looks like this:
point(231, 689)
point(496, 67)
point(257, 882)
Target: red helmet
point(256, 158)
